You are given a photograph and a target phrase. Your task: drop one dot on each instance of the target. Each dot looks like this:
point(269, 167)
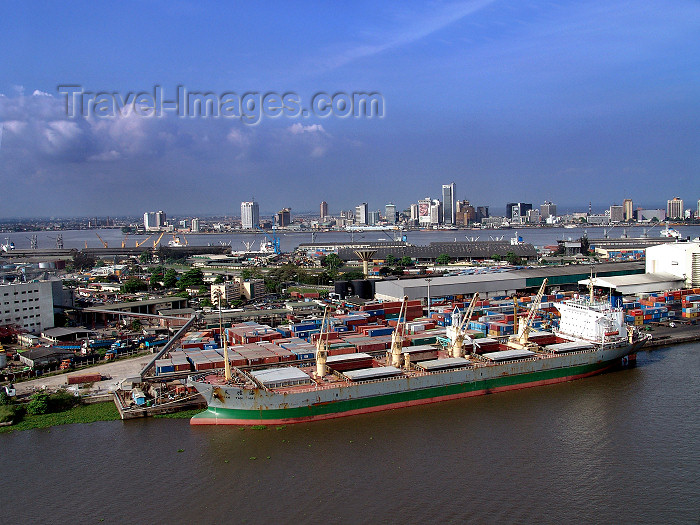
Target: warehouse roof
point(457, 250)
point(637, 283)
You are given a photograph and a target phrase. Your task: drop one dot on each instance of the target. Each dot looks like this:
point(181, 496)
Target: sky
point(564, 101)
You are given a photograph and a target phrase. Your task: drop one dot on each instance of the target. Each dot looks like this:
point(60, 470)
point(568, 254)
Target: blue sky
point(514, 101)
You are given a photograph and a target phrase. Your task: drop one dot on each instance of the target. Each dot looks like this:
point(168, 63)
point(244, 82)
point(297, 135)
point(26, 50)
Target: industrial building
point(29, 305)
point(634, 284)
point(498, 284)
point(681, 259)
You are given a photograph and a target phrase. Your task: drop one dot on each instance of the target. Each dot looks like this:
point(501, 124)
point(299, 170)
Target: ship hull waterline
point(262, 415)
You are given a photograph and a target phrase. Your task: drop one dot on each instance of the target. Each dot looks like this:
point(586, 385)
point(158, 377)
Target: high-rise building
point(373, 217)
point(250, 215)
point(482, 212)
point(464, 213)
point(361, 213)
point(628, 214)
point(160, 219)
point(414, 213)
point(448, 203)
point(284, 217)
point(617, 213)
point(548, 210)
point(674, 208)
point(195, 225)
point(436, 212)
point(324, 210)
point(390, 213)
point(515, 210)
point(424, 211)
point(533, 216)
point(697, 213)
point(149, 220)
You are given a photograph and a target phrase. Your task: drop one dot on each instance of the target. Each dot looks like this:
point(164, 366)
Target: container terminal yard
point(138, 345)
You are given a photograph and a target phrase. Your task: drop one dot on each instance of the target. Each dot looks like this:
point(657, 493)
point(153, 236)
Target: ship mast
point(458, 345)
point(397, 336)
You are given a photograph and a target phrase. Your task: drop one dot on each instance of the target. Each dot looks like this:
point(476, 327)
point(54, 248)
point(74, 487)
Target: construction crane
point(397, 336)
point(274, 240)
point(519, 340)
point(458, 345)
point(139, 244)
point(124, 240)
point(157, 241)
point(102, 241)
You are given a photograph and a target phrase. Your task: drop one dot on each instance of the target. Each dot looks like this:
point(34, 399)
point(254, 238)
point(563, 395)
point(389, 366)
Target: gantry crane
point(519, 339)
point(274, 240)
point(458, 345)
point(101, 240)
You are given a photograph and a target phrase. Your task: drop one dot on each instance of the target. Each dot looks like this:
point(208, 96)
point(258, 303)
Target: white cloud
point(38, 93)
point(297, 128)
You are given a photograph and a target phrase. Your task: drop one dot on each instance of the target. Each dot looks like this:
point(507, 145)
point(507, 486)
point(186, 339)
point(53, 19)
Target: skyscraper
point(324, 210)
point(361, 213)
point(195, 225)
point(674, 208)
point(284, 217)
point(515, 210)
point(548, 210)
point(448, 203)
point(390, 213)
point(250, 215)
point(373, 217)
point(628, 209)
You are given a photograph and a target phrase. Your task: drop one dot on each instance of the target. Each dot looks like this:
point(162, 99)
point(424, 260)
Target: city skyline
point(504, 99)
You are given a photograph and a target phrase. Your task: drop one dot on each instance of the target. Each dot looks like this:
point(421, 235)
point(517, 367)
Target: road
point(116, 370)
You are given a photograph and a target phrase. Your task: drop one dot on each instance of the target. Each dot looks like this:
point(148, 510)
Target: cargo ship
point(592, 338)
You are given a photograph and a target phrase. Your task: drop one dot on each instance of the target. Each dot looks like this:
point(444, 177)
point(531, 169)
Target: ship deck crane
point(458, 345)
point(274, 239)
point(139, 244)
point(520, 340)
point(101, 240)
point(397, 336)
point(322, 348)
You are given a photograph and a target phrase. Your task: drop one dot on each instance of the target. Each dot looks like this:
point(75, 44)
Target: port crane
point(458, 345)
point(139, 244)
point(157, 241)
point(101, 240)
point(274, 240)
point(124, 240)
point(519, 340)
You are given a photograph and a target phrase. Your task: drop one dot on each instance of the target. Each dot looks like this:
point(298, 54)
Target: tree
point(513, 259)
point(136, 325)
point(39, 404)
point(83, 261)
point(146, 257)
point(205, 302)
point(134, 285)
point(390, 259)
point(443, 259)
point(219, 279)
point(406, 261)
point(332, 261)
point(191, 278)
point(170, 278)
point(585, 245)
point(246, 274)
point(496, 257)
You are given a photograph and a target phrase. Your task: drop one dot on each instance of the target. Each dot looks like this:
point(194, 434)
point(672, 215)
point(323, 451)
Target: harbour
point(602, 445)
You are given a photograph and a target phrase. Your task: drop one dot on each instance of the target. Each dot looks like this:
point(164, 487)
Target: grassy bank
point(79, 414)
point(185, 414)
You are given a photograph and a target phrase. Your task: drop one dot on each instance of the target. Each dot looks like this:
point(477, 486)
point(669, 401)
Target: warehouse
point(634, 284)
point(499, 284)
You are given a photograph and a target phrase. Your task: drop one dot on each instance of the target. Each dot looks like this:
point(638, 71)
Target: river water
point(290, 240)
point(623, 447)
